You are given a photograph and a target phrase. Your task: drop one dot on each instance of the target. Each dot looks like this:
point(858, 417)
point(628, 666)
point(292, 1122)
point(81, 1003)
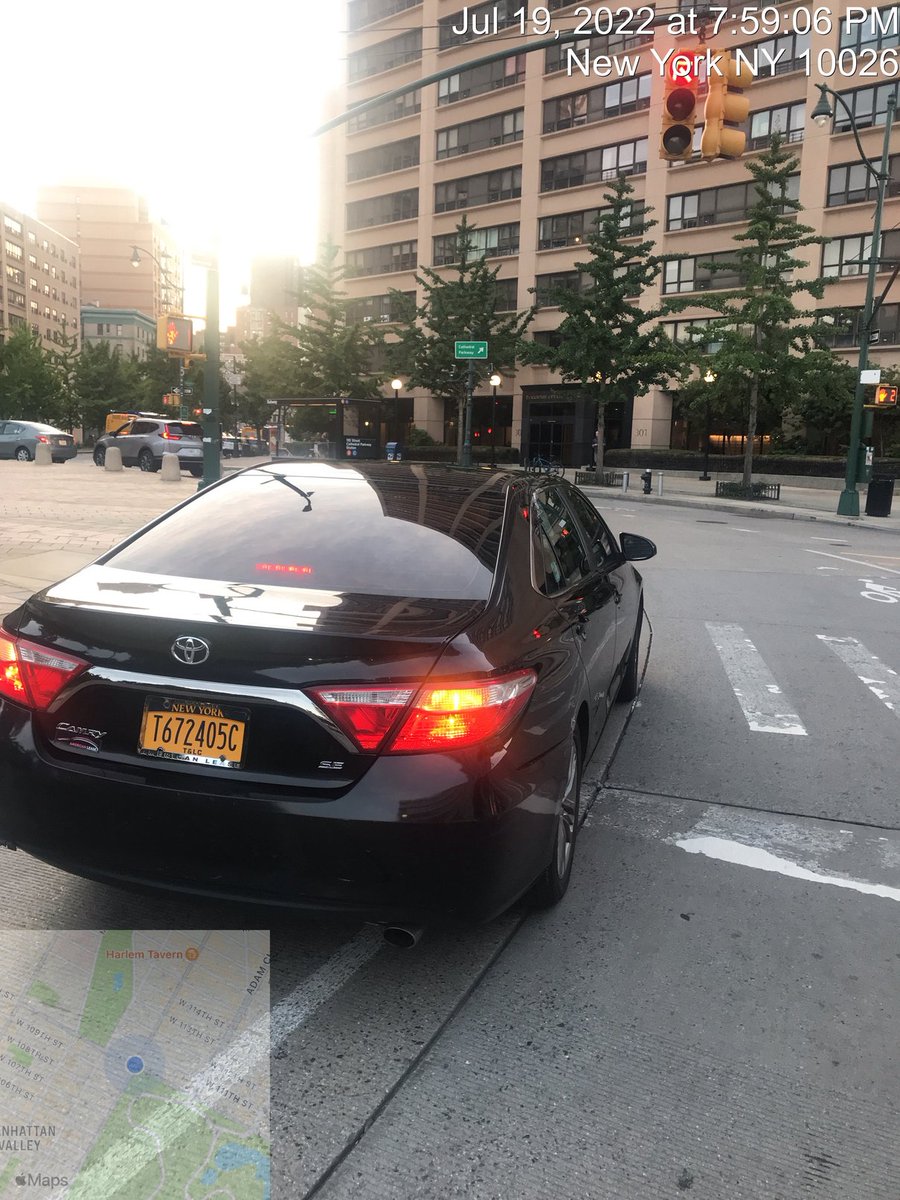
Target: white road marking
point(763, 860)
point(833, 541)
point(127, 1157)
point(828, 568)
point(738, 529)
point(860, 562)
point(879, 679)
point(761, 699)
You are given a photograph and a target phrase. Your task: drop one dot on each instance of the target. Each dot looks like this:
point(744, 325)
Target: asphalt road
point(713, 1009)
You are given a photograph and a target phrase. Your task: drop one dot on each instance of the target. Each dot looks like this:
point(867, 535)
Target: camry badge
point(190, 650)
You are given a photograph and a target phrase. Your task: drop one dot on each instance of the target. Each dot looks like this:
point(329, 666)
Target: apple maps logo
point(35, 1180)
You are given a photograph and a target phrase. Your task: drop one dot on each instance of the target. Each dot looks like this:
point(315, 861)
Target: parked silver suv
point(145, 440)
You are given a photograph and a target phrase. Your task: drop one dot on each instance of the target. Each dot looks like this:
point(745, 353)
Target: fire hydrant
point(646, 480)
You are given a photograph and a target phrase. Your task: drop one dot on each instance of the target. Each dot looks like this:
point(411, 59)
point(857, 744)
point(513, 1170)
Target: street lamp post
point(848, 504)
point(709, 377)
point(137, 251)
point(495, 382)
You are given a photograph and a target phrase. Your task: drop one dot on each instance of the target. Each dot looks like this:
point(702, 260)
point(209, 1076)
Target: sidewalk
point(796, 503)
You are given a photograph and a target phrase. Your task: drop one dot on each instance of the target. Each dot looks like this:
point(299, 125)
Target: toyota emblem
point(190, 650)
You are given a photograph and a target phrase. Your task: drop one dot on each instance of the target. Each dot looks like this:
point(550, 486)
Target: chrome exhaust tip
point(404, 937)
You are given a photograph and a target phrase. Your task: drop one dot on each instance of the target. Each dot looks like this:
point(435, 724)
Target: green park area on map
point(106, 1004)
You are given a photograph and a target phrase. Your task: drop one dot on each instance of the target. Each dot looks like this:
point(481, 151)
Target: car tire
point(553, 882)
point(630, 685)
point(146, 461)
point(100, 456)
point(23, 454)
point(197, 472)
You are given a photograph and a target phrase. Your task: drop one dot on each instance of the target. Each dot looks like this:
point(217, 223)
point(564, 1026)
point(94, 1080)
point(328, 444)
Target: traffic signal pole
point(210, 419)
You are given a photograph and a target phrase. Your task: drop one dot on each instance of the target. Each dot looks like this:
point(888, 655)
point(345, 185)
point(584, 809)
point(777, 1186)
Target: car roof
point(443, 475)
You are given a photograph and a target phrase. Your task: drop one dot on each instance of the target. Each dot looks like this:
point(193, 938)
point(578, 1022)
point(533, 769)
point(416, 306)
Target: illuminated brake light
point(41, 438)
point(451, 715)
point(35, 675)
point(171, 437)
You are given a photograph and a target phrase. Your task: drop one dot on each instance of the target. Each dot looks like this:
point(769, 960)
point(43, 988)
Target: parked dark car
point(367, 686)
point(20, 439)
point(146, 439)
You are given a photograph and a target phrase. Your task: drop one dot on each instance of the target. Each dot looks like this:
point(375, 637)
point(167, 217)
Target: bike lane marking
point(859, 561)
point(881, 680)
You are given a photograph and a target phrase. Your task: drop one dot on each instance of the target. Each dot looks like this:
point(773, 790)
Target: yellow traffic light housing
point(679, 120)
point(885, 396)
point(726, 107)
point(175, 334)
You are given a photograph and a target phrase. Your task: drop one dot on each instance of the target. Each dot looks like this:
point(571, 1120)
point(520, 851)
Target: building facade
point(39, 279)
point(107, 224)
point(127, 331)
point(525, 147)
point(274, 293)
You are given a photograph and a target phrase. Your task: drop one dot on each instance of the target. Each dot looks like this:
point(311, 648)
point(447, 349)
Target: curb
point(750, 510)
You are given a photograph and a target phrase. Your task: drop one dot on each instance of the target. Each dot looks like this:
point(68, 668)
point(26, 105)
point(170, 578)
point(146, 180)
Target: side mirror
point(635, 547)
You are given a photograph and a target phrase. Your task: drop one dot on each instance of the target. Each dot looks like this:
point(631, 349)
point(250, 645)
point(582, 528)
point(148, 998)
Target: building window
point(692, 332)
point(14, 275)
point(380, 160)
point(868, 106)
point(574, 229)
point(787, 119)
point(481, 79)
point(35, 307)
point(381, 210)
point(12, 226)
point(851, 183)
point(880, 32)
point(694, 275)
point(597, 104)
point(488, 188)
point(496, 130)
point(17, 322)
point(786, 53)
point(375, 309)
point(506, 295)
point(847, 256)
point(845, 323)
point(382, 260)
point(15, 298)
point(367, 12)
point(594, 166)
point(14, 251)
point(384, 56)
point(718, 206)
point(496, 241)
point(481, 18)
point(573, 281)
point(389, 110)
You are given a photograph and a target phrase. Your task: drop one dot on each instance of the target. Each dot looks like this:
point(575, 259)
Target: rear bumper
point(416, 838)
point(63, 453)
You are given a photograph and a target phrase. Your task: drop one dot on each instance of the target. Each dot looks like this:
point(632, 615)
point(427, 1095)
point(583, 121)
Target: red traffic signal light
point(885, 396)
point(679, 108)
point(175, 334)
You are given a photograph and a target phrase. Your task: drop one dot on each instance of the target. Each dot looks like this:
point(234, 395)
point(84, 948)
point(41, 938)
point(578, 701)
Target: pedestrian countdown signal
point(175, 334)
point(885, 396)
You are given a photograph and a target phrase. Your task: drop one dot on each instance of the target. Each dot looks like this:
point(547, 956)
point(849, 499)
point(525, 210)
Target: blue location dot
point(135, 1064)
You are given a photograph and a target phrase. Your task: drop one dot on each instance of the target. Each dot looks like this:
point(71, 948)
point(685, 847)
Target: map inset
point(134, 1064)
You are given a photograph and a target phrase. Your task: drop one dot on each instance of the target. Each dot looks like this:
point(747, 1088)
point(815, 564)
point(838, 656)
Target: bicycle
point(539, 465)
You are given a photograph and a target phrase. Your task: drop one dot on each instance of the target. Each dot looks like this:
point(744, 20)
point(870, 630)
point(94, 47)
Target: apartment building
point(525, 146)
point(39, 278)
point(128, 331)
point(106, 223)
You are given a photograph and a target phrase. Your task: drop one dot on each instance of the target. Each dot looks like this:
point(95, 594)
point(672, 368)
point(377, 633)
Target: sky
point(204, 106)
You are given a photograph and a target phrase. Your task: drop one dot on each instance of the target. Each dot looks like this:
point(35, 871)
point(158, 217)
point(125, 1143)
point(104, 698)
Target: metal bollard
point(659, 489)
point(112, 460)
point(624, 481)
point(43, 455)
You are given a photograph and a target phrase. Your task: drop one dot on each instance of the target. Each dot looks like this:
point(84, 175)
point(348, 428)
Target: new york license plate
point(196, 731)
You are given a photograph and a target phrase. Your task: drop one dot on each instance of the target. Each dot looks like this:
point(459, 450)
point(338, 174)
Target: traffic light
point(679, 109)
point(175, 334)
point(726, 108)
point(885, 396)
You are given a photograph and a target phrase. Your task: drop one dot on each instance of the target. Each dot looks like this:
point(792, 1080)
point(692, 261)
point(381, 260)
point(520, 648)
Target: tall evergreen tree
point(607, 343)
point(764, 334)
point(465, 303)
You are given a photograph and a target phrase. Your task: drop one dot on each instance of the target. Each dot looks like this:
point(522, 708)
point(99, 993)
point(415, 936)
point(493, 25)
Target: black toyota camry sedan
point(366, 687)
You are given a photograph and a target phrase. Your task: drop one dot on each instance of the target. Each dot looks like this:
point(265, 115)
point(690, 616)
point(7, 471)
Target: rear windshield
point(185, 428)
point(391, 534)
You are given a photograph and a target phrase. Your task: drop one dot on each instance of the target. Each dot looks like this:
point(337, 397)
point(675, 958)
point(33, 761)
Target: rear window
point(185, 428)
point(393, 533)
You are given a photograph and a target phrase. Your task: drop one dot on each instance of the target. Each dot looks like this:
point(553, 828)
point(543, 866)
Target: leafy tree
point(29, 385)
point(763, 334)
point(105, 382)
point(63, 358)
point(158, 374)
point(823, 398)
point(464, 305)
point(608, 344)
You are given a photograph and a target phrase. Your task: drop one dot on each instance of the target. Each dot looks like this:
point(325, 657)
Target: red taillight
point(449, 715)
point(34, 675)
point(169, 436)
point(41, 438)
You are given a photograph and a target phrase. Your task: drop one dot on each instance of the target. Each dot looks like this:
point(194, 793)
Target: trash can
point(879, 496)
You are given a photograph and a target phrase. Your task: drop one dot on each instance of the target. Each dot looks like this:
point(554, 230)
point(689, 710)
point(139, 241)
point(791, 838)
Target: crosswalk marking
point(879, 679)
point(762, 701)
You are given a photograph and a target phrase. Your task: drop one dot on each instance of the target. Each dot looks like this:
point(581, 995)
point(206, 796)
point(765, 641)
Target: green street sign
point(471, 349)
